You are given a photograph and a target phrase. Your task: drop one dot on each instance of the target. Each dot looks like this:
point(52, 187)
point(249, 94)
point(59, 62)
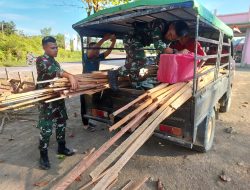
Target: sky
point(32, 15)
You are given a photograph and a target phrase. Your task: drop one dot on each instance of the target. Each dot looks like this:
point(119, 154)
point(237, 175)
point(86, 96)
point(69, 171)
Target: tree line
point(15, 45)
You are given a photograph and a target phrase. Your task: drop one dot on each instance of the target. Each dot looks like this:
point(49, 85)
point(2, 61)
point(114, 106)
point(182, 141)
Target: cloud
point(13, 17)
point(29, 31)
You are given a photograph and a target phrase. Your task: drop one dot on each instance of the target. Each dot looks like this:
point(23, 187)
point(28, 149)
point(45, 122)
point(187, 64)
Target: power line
point(71, 4)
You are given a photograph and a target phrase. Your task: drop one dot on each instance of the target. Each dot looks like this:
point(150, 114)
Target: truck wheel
point(226, 104)
point(205, 133)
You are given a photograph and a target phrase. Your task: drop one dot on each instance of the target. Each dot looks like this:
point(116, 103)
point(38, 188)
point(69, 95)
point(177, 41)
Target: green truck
point(196, 118)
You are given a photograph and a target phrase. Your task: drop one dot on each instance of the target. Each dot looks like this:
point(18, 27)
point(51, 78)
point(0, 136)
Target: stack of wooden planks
point(14, 86)
point(150, 109)
point(153, 107)
point(58, 88)
point(5, 87)
point(17, 82)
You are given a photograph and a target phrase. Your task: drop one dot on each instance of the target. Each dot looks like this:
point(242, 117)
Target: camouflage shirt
point(48, 68)
point(152, 33)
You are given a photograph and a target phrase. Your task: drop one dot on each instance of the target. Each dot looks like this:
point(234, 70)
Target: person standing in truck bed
point(167, 37)
point(91, 62)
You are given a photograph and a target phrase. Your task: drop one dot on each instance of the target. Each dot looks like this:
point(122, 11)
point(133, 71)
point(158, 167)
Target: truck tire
point(205, 133)
point(226, 103)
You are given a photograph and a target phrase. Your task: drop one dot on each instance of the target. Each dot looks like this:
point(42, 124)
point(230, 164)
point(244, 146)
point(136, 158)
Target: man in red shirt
point(186, 45)
point(178, 32)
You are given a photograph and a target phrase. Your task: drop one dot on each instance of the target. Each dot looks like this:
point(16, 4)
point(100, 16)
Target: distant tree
point(20, 33)
point(60, 40)
point(119, 2)
point(93, 6)
point(8, 28)
point(46, 31)
point(96, 5)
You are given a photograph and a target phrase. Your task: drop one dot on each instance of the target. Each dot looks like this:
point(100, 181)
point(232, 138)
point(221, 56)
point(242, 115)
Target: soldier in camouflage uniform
point(53, 114)
point(159, 32)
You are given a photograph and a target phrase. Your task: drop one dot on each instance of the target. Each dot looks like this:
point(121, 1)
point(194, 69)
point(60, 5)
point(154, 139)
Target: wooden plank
point(26, 103)
point(79, 77)
point(131, 115)
point(93, 181)
point(136, 111)
point(163, 91)
point(88, 84)
point(93, 75)
point(125, 144)
point(91, 151)
point(70, 95)
point(85, 164)
point(138, 184)
point(159, 87)
point(22, 99)
point(81, 85)
point(170, 91)
point(138, 120)
point(55, 99)
point(149, 125)
point(52, 80)
point(141, 97)
point(127, 186)
point(112, 183)
point(205, 80)
point(91, 80)
point(34, 92)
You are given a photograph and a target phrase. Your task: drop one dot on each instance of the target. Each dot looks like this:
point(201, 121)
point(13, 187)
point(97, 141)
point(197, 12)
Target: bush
point(14, 49)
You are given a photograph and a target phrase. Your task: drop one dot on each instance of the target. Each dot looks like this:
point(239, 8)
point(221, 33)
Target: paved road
point(74, 68)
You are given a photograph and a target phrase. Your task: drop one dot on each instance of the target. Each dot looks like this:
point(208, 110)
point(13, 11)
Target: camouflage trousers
point(135, 58)
point(46, 132)
point(52, 115)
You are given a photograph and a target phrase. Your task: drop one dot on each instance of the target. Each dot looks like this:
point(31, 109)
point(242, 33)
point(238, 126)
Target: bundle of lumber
point(150, 109)
point(154, 106)
point(5, 87)
point(58, 88)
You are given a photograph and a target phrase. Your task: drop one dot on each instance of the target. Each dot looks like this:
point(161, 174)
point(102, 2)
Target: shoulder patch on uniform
point(44, 59)
point(41, 59)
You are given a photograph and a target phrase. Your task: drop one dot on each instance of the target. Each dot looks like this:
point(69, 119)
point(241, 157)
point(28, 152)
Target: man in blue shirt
point(93, 57)
point(91, 62)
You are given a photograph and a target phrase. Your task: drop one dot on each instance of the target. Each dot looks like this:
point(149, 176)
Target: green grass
point(64, 56)
point(14, 48)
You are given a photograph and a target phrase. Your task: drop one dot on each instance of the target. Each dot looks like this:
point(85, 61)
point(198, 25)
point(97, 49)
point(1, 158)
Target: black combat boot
point(113, 79)
point(63, 150)
point(44, 160)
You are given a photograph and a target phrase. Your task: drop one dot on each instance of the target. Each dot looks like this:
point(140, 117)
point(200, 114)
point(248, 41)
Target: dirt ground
point(176, 167)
